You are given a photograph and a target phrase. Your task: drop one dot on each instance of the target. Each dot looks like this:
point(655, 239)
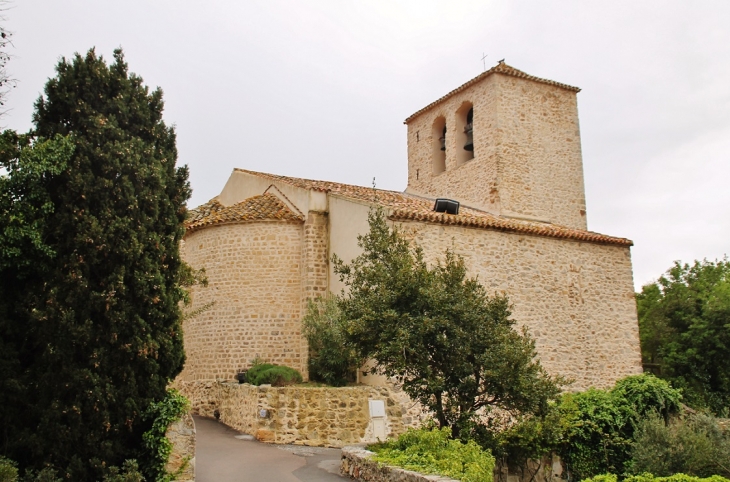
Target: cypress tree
point(103, 331)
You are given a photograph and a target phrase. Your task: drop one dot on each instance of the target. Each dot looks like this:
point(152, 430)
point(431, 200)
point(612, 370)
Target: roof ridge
point(500, 68)
point(292, 181)
point(261, 207)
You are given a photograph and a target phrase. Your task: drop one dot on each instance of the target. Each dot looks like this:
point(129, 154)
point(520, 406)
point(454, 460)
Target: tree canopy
point(92, 209)
point(684, 322)
point(435, 330)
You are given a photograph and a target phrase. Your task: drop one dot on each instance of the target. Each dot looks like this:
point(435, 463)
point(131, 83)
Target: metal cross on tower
point(484, 61)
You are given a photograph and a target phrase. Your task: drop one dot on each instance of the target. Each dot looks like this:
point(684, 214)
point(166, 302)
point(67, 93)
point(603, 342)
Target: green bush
point(646, 394)
point(650, 478)
point(129, 473)
point(694, 445)
point(275, 375)
point(47, 474)
point(529, 440)
point(598, 435)
point(9, 473)
point(601, 424)
point(8, 470)
point(331, 358)
point(592, 431)
point(432, 451)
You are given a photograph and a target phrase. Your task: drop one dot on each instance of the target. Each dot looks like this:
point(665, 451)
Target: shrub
point(8, 470)
point(651, 478)
point(432, 451)
point(47, 474)
point(129, 473)
point(601, 424)
point(331, 359)
point(646, 394)
point(694, 445)
point(598, 436)
point(275, 375)
point(523, 446)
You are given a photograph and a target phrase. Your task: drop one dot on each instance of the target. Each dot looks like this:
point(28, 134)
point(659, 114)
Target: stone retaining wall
point(182, 458)
point(357, 464)
point(313, 416)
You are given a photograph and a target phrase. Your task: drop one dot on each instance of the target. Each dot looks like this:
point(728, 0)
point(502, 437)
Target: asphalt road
point(225, 455)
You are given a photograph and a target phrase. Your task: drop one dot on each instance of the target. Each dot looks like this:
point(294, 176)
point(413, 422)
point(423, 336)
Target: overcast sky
point(320, 89)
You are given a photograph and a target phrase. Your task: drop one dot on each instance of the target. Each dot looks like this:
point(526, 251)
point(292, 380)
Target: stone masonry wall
point(356, 463)
point(314, 266)
point(182, 459)
point(298, 415)
point(576, 299)
point(254, 281)
point(527, 154)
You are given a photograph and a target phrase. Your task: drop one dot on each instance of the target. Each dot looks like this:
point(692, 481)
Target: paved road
point(224, 455)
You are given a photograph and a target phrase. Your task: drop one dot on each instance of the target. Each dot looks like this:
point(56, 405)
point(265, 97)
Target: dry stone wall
point(575, 298)
point(298, 415)
point(254, 273)
point(182, 459)
point(357, 463)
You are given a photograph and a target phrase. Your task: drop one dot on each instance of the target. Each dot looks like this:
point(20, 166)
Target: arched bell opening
point(464, 133)
point(438, 136)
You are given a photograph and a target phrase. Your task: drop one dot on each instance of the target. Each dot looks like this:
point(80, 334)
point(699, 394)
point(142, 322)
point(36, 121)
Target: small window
point(438, 135)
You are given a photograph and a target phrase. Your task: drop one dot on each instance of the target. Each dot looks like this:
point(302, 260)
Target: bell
point(469, 131)
point(442, 139)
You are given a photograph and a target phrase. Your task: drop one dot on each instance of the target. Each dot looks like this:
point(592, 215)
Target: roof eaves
point(197, 227)
point(507, 226)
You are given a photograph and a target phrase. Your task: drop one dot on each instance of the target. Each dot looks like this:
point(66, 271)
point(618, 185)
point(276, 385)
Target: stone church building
point(506, 147)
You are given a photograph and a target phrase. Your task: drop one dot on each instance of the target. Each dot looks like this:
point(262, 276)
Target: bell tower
point(505, 142)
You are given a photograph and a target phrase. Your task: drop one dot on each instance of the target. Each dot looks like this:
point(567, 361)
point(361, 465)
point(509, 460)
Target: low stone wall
point(357, 464)
point(314, 416)
point(182, 458)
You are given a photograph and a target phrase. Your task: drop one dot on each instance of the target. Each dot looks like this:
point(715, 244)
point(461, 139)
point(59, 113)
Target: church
point(495, 173)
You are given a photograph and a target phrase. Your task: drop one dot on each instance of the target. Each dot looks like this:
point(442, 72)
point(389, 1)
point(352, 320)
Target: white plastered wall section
point(348, 219)
point(243, 185)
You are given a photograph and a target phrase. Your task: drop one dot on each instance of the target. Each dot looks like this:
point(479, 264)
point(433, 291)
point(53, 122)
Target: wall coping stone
point(357, 463)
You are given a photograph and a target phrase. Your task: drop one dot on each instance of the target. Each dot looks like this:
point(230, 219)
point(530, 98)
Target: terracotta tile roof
point(407, 207)
point(500, 68)
point(257, 208)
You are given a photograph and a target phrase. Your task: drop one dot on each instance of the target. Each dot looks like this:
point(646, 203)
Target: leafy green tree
point(25, 206)
point(684, 321)
point(453, 347)
point(332, 359)
point(94, 320)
